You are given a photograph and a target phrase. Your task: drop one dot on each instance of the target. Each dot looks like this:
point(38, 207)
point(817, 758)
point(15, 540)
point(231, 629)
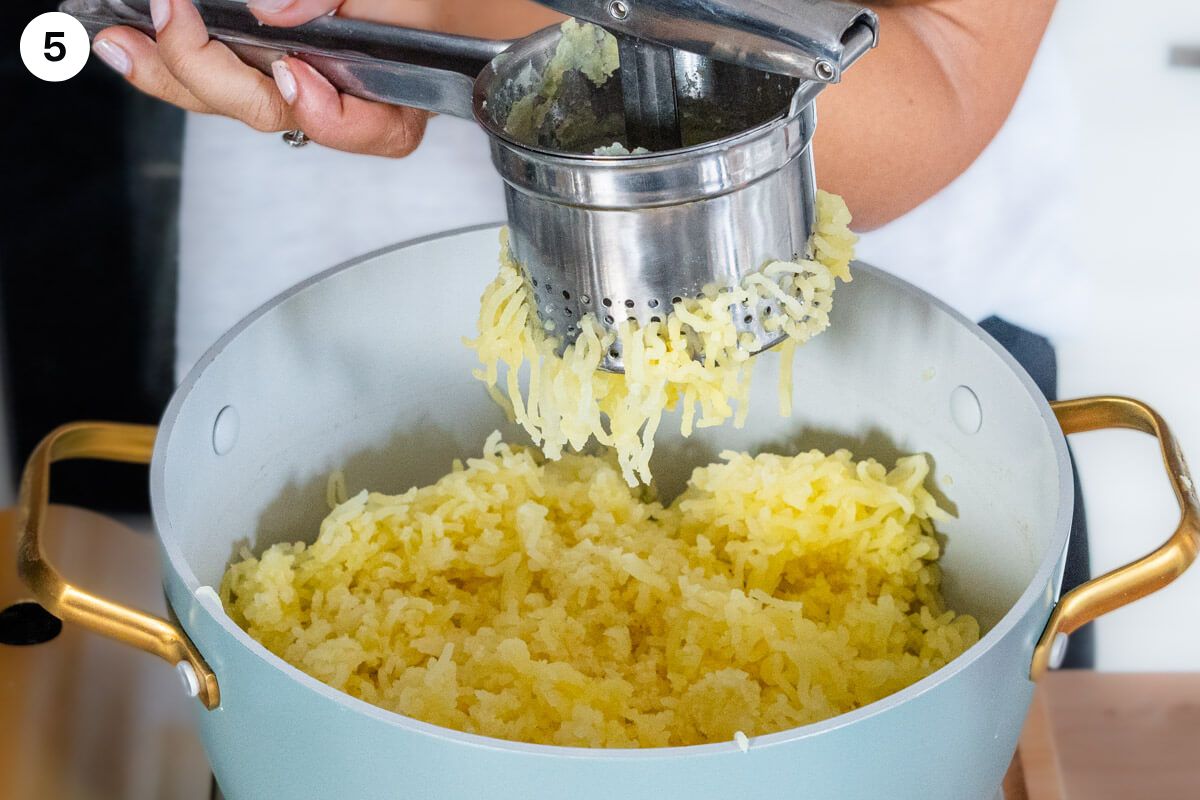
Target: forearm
point(917, 110)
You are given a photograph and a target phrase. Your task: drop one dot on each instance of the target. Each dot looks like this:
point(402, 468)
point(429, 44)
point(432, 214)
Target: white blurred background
point(1138, 228)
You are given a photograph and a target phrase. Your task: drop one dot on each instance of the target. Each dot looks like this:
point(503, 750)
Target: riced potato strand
point(695, 358)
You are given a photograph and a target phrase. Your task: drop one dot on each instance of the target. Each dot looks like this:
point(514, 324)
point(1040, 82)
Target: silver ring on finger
point(296, 138)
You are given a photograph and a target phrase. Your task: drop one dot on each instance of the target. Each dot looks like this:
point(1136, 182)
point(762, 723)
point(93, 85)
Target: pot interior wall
point(365, 371)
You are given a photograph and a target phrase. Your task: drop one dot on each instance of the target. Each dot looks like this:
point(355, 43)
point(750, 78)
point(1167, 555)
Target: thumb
point(288, 13)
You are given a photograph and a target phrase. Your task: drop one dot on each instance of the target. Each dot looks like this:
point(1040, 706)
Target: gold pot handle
point(108, 441)
point(1149, 573)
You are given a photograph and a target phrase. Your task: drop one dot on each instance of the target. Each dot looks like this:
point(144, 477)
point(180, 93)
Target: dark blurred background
point(87, 261)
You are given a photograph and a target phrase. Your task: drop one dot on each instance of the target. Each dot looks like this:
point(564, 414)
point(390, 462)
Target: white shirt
point(258, 216)
point(999, 239)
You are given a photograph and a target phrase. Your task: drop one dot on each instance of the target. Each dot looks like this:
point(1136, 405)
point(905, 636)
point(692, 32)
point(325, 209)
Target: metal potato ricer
point(709, 104)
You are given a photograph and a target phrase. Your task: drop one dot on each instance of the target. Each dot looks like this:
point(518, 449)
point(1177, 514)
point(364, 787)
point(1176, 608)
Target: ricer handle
point(387, 63)
point(858, 40)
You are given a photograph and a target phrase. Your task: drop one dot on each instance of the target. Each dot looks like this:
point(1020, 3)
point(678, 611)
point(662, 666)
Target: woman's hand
point(186, 68)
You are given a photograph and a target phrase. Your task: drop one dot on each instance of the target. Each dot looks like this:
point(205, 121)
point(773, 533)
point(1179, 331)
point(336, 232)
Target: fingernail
point(269, 6)
point(285, 80)
point(112, 55)
point(160, 12)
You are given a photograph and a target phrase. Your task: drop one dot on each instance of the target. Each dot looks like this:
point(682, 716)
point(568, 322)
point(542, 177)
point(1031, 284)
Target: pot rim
point(1036, 588)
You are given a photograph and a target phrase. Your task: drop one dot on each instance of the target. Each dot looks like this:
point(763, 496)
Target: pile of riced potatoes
point(548, 601)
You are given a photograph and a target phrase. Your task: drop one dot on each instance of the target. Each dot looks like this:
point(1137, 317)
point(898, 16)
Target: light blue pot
point(363, 369)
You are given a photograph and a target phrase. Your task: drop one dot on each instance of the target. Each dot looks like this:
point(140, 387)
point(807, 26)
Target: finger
point(344, 122)
point(288, 13)
point(211, 72)
point(134, 55)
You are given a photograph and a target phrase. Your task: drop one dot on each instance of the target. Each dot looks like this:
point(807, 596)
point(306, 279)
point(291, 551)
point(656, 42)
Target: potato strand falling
point(567, 401)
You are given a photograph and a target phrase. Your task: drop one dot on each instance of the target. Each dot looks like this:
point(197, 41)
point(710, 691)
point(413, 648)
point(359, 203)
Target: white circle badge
point(55, 46)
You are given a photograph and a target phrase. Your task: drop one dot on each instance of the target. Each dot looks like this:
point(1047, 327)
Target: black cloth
point(1036, 354)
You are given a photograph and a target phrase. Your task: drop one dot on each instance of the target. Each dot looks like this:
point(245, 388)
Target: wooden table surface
point(88, 719)
point(1105, 736)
